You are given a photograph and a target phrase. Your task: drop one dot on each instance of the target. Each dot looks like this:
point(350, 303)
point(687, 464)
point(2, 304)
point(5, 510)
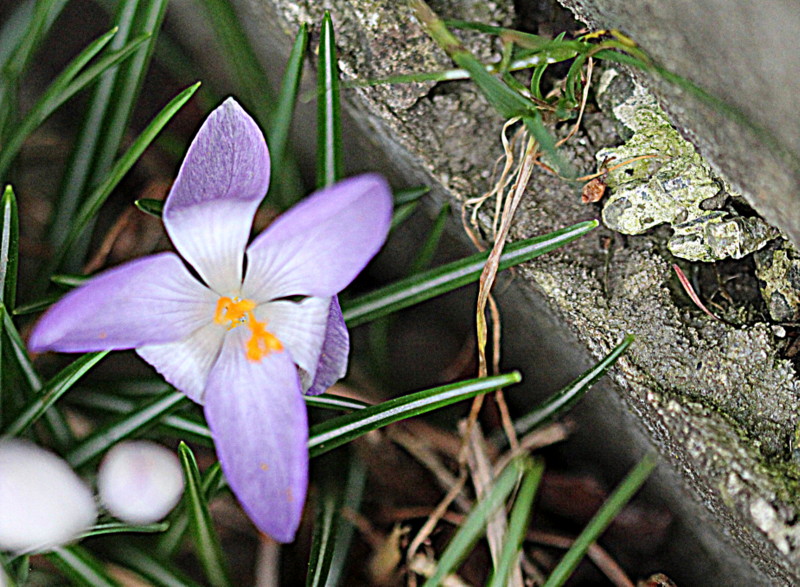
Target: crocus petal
point(332, 364)
point(187, 363)
point(210, 209)
point(43, 503)
point(140, 481)
point(317, 247)
point(300, 326)
point(152, 300)
point(258, 420)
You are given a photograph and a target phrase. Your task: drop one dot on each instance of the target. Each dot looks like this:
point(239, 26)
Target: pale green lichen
point(778, 269)
point(674, 185)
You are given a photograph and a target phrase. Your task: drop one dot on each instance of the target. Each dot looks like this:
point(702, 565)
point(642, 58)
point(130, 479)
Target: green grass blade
point(428, 249)
point(205, 538)
point(158, 572)
point(329, 123)
point(547, 144)
point(80, 567)
point(144, 417)
point(407, 195)
point(96, 199)
point(122, 528)
point(62, 89)
point(506, 101)
point(150, 206)
point(562, 401)
point(278, 134)
point(326, 523)
point(53, 390)
point(329, 401)
point(337, 431)
point(475, 525)
point(353, 496)
point(418, 288)
point(518, 524)
point(605, 515)
point(19, 352)
point(9, 248)
point(239, 56)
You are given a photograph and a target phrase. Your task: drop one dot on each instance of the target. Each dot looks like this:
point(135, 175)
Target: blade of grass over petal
point(9, 247)
point(337, 431)
point(328, 517)
point(81, 567)
point(605, 515)
point(329, 124)
point(239, 56)
point(505, 100)
point(98, 197)
point(518, 524)
point(281, 120)
point(475, 525)
point(53, 390)
point(107, 118)
point(145, 416)
point(424, 286)
point(207, 546)
point(563, 400)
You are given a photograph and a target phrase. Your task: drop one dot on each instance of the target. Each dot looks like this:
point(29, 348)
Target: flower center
point(233, 312)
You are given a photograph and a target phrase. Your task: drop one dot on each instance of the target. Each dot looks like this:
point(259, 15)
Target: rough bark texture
point(716, 399)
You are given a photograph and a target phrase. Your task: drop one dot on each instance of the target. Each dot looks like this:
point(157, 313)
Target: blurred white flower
point(43, 503)
point(140, 481)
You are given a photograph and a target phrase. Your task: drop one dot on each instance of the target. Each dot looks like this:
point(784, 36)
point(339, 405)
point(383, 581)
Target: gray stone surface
point(715, 398)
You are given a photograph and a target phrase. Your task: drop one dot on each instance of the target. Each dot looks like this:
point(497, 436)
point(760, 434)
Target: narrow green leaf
point(205, 537)
point(9, 248)
point(337, 431)
point(563, 400)
point(424, 286)
point(62, 89)
point(326, 524)
point(428, 249)
point(150, 206)
point(53, 390)
point(475, 525)
point(96, 199)
point(145, 416)
point(80, 567)
point(329, 401)
point(37, 305)
point(329, 123)
point(158, 572)
point(604, 516)
point(353, 496)
point(547, 144)
point(407, 195)
point(518, 524)
point(122, 528)
point(402, 213)
point(278, 134)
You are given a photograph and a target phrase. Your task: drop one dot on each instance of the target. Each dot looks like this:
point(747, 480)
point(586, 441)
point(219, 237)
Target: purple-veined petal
point(318, 247)
point(187, 363)
point(332, 364)
point(152, 300)
point(258, 420)
point(209, 211)
point(300, 326)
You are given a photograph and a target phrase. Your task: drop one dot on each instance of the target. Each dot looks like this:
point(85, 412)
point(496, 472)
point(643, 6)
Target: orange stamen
point(233, 312)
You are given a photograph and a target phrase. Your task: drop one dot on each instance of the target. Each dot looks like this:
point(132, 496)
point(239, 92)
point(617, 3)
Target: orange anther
point(233, 312)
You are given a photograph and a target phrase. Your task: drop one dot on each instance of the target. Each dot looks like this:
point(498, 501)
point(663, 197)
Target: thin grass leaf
point(158, 572)
point(605, 515)
point(150, 206)
point(80, 567)
point(329, 123)
point(326, 523)
point(428, 249)
point(338, 431)
point(506, 101)
point(207, 546)
point(144, 417)
point(240, 57)
point(278, 134)
point(122, 528)
point(407, 195)
point(562, 401)
point(36, 306)
point(329, 401)
point(212, 482)
point(9, 247)
point(353, 495)
point(53, 390)
point(402, 213)
point(518, 524)
point(418, 288)
point(475, 525)
point(71, 81)
point(547, 144)
point(98, 197)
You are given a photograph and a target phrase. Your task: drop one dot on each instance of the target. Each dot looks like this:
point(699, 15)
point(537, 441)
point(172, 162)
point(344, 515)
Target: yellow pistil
point(233, 312)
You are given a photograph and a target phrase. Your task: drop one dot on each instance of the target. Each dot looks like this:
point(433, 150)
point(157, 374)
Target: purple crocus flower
point(244, 347)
